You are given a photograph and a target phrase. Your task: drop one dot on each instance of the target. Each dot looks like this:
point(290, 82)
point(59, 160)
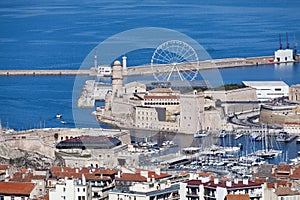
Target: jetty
point(61, 72)
point(148, 69)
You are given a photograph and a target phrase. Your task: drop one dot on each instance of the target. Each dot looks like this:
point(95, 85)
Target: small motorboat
point(63, 122)
point(58, 115)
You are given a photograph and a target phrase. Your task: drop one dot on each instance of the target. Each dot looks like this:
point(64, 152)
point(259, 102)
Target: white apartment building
point(70, 189)
point(216, 189)
point(268, 90)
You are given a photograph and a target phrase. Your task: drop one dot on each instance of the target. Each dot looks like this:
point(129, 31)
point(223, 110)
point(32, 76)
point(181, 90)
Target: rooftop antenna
point(287, 41)
point(295, 47)
point(280, 43)
point(95, 58)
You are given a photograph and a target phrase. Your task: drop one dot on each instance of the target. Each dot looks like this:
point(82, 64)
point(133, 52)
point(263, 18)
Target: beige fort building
point(132, 106)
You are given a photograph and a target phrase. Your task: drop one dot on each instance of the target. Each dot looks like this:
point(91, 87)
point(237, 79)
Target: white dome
point(116, 63)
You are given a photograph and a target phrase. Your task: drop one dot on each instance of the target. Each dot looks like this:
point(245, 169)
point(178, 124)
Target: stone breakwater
point(144, 70)
point(43, 72)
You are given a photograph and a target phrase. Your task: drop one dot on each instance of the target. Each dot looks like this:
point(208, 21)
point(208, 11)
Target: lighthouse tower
point(117, 79)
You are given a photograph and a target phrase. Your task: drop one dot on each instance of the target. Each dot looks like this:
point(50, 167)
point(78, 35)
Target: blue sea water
point(59, 34)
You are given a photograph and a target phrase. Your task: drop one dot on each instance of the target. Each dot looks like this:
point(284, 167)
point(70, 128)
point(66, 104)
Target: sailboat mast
point(266, 139)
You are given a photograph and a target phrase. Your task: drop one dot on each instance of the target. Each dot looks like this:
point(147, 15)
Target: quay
point(209, 64)
point(145, 69)
point(43, 72)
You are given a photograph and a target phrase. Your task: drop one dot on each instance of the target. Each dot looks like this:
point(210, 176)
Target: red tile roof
point(237, 197)
point(284, 168)
point(194, 182)
point(22, 177)
point(62, 172)
point(296, 173)
point(161, 97)
point(283, 191)
point(46, 197)
point(4, 167)
point(204, 173)
point(161, 90)
point(137, 177)
point(15, 188)
point(278, 183)
point(55, 169)
point(39, 177)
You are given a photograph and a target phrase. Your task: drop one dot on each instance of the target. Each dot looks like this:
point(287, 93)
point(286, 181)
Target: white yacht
point(199, 134)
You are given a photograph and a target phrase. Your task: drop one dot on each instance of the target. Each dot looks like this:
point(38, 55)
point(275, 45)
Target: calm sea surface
point(59, 35)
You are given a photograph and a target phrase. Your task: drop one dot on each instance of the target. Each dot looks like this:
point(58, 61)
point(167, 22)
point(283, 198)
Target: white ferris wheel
point(174, 60)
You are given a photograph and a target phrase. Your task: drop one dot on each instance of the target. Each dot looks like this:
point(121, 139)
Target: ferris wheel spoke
point(179, 73)
point(177, 55)
point(166, 55)
point(190, 75)
point(190, 56)
point(169, 53)
point(185, 53)
point(164, 62)
point(166, 59)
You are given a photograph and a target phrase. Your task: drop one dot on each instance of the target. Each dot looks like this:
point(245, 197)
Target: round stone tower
point(117, 79)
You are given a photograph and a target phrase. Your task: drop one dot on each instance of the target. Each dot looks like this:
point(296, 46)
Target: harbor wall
point(144, 70)
point(43, 72)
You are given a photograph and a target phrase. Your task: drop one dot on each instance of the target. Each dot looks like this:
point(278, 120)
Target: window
point(277, 89)
point(83, 189)
point(64, 189)
point(22, 198)
point(1, 197)
point(12, 197)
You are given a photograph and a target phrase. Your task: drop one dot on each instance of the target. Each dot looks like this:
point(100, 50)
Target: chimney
point(245, 181)
point(153, 179)
point(216, 181)
point(228, 184)
point(77, 170)
point(119, 174)
point(144, 174)
point(83, 180)
point(236, 181)
point(157, 171)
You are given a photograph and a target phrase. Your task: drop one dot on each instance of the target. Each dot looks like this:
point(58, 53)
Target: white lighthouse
point(124, 63)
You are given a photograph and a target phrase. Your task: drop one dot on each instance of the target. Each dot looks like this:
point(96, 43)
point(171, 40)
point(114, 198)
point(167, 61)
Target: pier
point(204, 65)
point(61, 72)
point(148, 69)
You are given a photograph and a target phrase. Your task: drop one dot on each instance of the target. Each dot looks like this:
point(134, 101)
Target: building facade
point(294, 94)
point(218, 190)
point(268, 90)
point(284, 55)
